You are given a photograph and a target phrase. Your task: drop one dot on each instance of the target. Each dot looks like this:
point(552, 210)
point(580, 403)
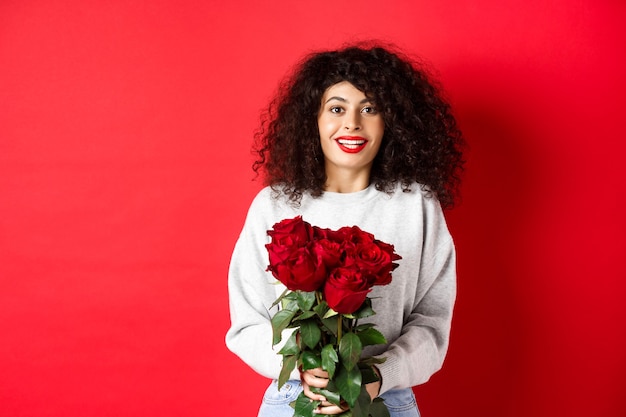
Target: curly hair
point(421, 142)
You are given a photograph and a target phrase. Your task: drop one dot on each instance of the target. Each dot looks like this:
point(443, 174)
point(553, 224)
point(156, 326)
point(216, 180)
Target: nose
point(352, 121)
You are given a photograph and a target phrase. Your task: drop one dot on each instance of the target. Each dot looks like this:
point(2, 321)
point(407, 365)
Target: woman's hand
point(318, 378)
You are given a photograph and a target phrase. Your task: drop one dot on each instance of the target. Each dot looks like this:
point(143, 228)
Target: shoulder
point(417, 200)
point(413, 193)
point(269, 198)
point(268, 207)
point(263, 197)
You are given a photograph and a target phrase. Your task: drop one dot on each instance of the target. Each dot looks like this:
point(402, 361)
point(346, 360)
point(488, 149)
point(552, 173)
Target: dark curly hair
point(421, 141)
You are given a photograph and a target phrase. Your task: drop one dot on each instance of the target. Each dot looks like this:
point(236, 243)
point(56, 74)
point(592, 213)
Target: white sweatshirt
point(413, 312)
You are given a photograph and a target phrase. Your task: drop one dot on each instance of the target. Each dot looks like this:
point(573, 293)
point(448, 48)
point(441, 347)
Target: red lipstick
point(351, 144)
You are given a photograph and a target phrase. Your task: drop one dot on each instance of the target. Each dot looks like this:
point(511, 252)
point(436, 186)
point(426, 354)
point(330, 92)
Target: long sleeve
point(415, 311)
point(252, 291)
point(421, 348)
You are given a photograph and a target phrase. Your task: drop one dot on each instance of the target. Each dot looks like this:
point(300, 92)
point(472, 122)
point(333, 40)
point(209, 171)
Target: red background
point(125, 129)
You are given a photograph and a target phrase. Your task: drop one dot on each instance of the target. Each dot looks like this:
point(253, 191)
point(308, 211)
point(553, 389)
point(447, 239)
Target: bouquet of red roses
point(328, 274)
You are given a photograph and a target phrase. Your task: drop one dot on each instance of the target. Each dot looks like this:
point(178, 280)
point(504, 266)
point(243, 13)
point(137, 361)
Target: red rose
point(345, 290)
point(279, 253)
point(299, 269)
point(355, 235)
point(333, 235)
point(389, 249)
point(290, 232)
point(301, 257)
point(373, 260)
point(383, 277)
point(328, 252)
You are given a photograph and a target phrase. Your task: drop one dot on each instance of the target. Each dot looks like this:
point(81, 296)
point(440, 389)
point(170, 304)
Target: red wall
point(125, 129)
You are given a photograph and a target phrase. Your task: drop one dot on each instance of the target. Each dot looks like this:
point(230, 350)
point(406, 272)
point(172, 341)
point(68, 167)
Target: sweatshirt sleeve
point(252, 291)
point(420, 350)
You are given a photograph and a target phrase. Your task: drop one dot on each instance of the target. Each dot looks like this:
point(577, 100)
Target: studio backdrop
point(125, 177)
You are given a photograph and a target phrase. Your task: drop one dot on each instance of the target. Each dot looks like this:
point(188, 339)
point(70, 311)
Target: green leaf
point(304, 407)
point(280, 322)
point(290, 301)
point(378, 408)
point(331, 324)
point(350, 349)
point(365, 310)
point(371, 337)
point(331, 396)
point(305, 300)
point(330, 313)
point(310, 360)
point(367, 374)
point(349, 384)
point(280, 298)
point(329, 359)
point(289, 364)
point(362, 405)
point(310, 333)
point(291, 346)
point(363, 326)
point(321, 309)
point(304, 316)
point(372, 361)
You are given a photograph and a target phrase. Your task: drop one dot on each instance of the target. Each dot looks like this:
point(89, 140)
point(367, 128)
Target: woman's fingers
point(317, 373)
point(329, 410)
point(307, 391)
point(317, 378)
point(315, 397)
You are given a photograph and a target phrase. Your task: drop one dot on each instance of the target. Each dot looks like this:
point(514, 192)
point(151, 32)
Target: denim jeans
point(401, 403)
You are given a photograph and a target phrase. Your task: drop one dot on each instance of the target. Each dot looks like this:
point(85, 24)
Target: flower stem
point(339, 327)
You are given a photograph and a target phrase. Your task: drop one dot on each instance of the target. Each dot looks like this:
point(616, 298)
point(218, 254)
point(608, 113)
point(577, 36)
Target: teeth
point(354, 142)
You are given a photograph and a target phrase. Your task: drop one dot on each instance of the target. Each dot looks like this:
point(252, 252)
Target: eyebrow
point(365, 100)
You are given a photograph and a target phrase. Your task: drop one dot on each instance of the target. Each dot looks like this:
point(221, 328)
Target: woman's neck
point(347, 181)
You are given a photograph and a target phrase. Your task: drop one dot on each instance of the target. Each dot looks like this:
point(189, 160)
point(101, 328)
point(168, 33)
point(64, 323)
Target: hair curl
point(421, 141)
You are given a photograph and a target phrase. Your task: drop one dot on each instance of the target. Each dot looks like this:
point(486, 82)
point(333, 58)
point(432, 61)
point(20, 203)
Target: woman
point(358, 136)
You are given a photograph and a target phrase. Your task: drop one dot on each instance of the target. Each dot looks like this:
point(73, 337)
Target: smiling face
point(351, 131)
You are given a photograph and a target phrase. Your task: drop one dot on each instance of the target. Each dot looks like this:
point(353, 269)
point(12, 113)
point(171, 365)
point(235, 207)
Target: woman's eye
point(335, 109)
point(369, 110)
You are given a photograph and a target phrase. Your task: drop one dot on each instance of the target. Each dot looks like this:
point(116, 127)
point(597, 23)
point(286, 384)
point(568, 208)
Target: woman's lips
point(351, 144)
